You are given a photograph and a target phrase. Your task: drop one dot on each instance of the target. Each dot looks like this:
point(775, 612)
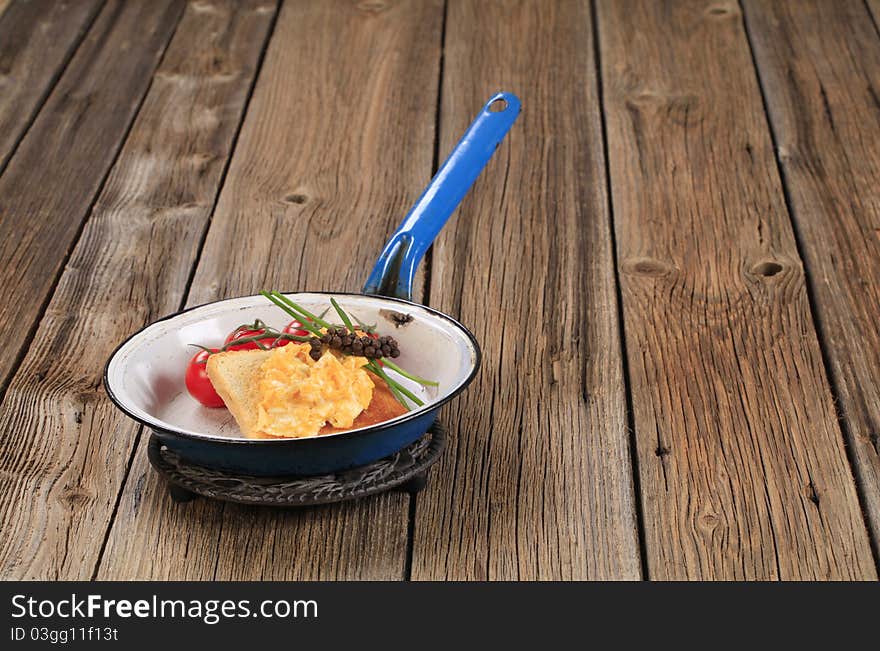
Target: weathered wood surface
point(742, 464)
point(874, 6)
point(538, 483)
point(65, 449)
point(742, 468)
point(337, 143)
point(49, 185)
point(36, 40)
point(820, 68)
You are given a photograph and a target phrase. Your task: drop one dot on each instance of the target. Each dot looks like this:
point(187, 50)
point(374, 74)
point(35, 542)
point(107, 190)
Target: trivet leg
point(415, 484)
point(179, 494)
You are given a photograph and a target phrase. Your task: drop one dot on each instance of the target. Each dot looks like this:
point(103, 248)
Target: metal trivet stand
point(405, 470)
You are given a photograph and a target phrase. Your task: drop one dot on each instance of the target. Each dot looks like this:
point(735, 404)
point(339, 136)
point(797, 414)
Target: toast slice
point(234, 376)
point(384, 406)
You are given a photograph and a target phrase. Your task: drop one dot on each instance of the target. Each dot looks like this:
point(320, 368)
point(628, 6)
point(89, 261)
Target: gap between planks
point(630, 422)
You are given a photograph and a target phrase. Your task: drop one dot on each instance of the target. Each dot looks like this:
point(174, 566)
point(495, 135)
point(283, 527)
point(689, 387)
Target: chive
point(292, 310)
point(392, 383)
point(257, 339)
point(371, 366)
point(400, 397)
point(311, 317)
point(395, 392)
point(303, 320)
point(406, 374)
point(364, 326)
point(342, 315)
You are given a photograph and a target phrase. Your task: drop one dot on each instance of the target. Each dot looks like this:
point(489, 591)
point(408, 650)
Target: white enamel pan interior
point(145, 376)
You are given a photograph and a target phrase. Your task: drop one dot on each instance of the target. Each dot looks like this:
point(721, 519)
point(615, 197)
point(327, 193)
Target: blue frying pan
point(144, 375)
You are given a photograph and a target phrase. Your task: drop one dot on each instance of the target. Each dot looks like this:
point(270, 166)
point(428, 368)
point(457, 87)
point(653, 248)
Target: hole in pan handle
point(394, 271)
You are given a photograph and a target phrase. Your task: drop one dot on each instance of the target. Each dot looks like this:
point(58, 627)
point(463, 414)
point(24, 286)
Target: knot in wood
point(372, 6)
point(766, 268)
point(683, 110)
point(708, 521)
point(295, 197)
point(718, 11)
point(76, 496)
point(644, 266)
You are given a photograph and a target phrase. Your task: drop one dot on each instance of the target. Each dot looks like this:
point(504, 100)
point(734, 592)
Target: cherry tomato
point(197, 382)
point(295, 328)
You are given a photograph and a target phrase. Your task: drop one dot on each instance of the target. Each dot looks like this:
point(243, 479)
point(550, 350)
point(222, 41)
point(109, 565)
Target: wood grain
point(820, 68)
point(48, 187)
point(65, 449)
point(337, 143)
point(538, 483)
point(742, 465)
point(36, 40)
point(874, 7)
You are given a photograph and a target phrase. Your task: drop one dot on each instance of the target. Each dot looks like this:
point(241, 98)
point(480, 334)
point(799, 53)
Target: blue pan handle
point(394, 271)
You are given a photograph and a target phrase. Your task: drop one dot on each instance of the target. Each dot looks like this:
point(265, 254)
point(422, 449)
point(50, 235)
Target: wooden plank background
point(820, 67)
point(70, 148)
point(66, 449)
point(36, 41)
point(743, 469)
point(685, 216)
point(538, 483)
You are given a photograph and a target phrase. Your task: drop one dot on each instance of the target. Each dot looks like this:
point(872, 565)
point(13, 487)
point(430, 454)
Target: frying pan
point(144, 375)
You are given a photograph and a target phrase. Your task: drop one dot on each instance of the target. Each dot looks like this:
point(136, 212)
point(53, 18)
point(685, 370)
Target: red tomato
point(197, 382)
point(295, 328)
point(241, 333)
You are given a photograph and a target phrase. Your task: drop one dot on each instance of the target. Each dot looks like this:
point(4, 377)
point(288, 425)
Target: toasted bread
point(384, 406)
point(233, 375)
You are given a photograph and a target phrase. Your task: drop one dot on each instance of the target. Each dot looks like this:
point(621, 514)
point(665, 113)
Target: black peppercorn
point(351, 342)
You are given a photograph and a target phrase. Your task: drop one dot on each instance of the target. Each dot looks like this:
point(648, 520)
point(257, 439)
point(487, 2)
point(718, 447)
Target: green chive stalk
point(415, 378)
point(309, 316)
point(376, 369)
point(306, 324)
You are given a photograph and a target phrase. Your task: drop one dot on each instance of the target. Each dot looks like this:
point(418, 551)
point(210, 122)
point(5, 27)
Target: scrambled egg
point(298, 395)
